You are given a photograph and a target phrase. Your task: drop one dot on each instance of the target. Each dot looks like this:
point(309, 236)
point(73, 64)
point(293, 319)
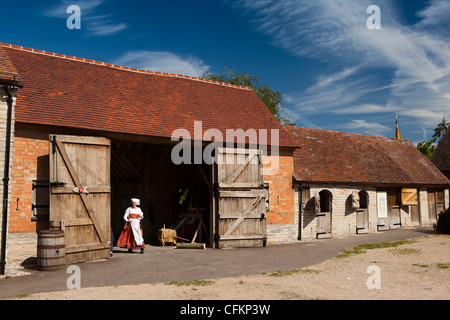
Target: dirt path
point(419, 269)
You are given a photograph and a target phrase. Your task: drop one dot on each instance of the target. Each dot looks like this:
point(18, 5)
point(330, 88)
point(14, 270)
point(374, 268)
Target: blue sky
point(334, 73)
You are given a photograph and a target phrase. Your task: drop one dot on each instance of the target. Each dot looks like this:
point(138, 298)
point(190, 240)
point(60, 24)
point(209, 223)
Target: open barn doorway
point(168, 192)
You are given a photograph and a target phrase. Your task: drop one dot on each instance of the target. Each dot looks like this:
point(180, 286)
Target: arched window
point(325, 200)
point(363, 200)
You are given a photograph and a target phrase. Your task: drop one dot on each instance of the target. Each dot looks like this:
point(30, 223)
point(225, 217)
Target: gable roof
point(7, 70)
point(441, 156)
point(338, 157)
point(73, 92)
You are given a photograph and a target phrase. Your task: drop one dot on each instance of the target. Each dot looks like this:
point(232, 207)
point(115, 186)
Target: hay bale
point(443, 224)
point(167, 236)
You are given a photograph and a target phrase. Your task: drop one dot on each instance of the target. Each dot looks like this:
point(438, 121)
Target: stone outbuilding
point(351, 184)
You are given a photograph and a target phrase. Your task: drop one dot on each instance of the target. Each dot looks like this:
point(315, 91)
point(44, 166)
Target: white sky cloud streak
point(335, 32)
point(163, 62)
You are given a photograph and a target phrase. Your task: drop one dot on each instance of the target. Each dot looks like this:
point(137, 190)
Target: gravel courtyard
point(417, 269)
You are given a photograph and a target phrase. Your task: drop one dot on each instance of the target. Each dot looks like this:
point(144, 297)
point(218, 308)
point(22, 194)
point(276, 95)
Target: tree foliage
point(428, 147)
point(272, 99)
point(440, 129)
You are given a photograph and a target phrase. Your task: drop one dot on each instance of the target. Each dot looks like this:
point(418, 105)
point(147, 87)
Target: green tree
point(427, 148)
point(272, 99)
point(440, 129)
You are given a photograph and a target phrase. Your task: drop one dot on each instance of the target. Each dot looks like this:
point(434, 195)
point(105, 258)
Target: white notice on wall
point(382, 204)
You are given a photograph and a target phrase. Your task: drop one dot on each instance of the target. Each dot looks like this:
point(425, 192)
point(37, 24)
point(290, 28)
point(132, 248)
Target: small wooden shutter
point(306, 199)
point(241, 199)
point(409, 197)
point(80, 195)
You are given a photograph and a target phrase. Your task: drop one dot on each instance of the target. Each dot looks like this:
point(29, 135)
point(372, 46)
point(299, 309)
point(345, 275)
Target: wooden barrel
point(51, 253)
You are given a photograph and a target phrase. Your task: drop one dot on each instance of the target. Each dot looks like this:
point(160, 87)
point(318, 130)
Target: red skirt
point(126, 239)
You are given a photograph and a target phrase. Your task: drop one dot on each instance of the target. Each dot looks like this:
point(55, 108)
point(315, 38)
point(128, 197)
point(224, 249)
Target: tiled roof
point(7, 70)
point(73, 92)
point(338, 157)
point(441, 156)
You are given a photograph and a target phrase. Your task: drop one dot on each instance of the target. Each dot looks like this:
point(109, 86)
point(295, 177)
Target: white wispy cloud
point(163, 62)
point(436, 13)
point(96, 25)
point(335, 33)
point(367, 127)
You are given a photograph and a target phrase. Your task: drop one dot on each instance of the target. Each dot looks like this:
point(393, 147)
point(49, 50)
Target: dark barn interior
point(168, 192)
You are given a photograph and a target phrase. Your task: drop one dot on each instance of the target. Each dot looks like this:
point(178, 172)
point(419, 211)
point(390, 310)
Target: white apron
point(135, 224)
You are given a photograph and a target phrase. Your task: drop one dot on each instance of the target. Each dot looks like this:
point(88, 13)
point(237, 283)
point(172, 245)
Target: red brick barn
point(88, 136)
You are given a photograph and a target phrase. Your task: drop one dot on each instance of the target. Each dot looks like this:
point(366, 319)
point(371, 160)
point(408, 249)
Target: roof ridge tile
point(115, 66)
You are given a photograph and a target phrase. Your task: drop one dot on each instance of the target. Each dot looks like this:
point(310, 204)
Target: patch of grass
point(22, 296)
point(443, 265)
point(350, 252)
point(291, 272)
point(363, 248)
point(421, 265)
point(198, 283)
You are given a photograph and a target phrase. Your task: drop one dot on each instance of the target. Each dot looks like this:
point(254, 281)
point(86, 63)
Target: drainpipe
point(6, 177)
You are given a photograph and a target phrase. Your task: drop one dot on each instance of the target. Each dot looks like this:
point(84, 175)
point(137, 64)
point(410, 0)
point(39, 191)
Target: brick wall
point(282, 220)
point(30, 162)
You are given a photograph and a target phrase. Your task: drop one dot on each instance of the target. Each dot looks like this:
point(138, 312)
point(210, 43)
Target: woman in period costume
point(131, 236)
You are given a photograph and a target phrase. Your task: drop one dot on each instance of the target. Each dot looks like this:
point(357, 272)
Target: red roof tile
point(7, 70)
point(338, 157)
point(73, 92)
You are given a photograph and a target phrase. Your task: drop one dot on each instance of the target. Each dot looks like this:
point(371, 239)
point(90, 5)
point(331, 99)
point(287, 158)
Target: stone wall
point(343, 217)
point(343, 221)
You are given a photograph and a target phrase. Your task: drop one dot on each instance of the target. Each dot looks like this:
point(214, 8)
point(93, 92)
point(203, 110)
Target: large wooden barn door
point(80, 195)
point(240, 199)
